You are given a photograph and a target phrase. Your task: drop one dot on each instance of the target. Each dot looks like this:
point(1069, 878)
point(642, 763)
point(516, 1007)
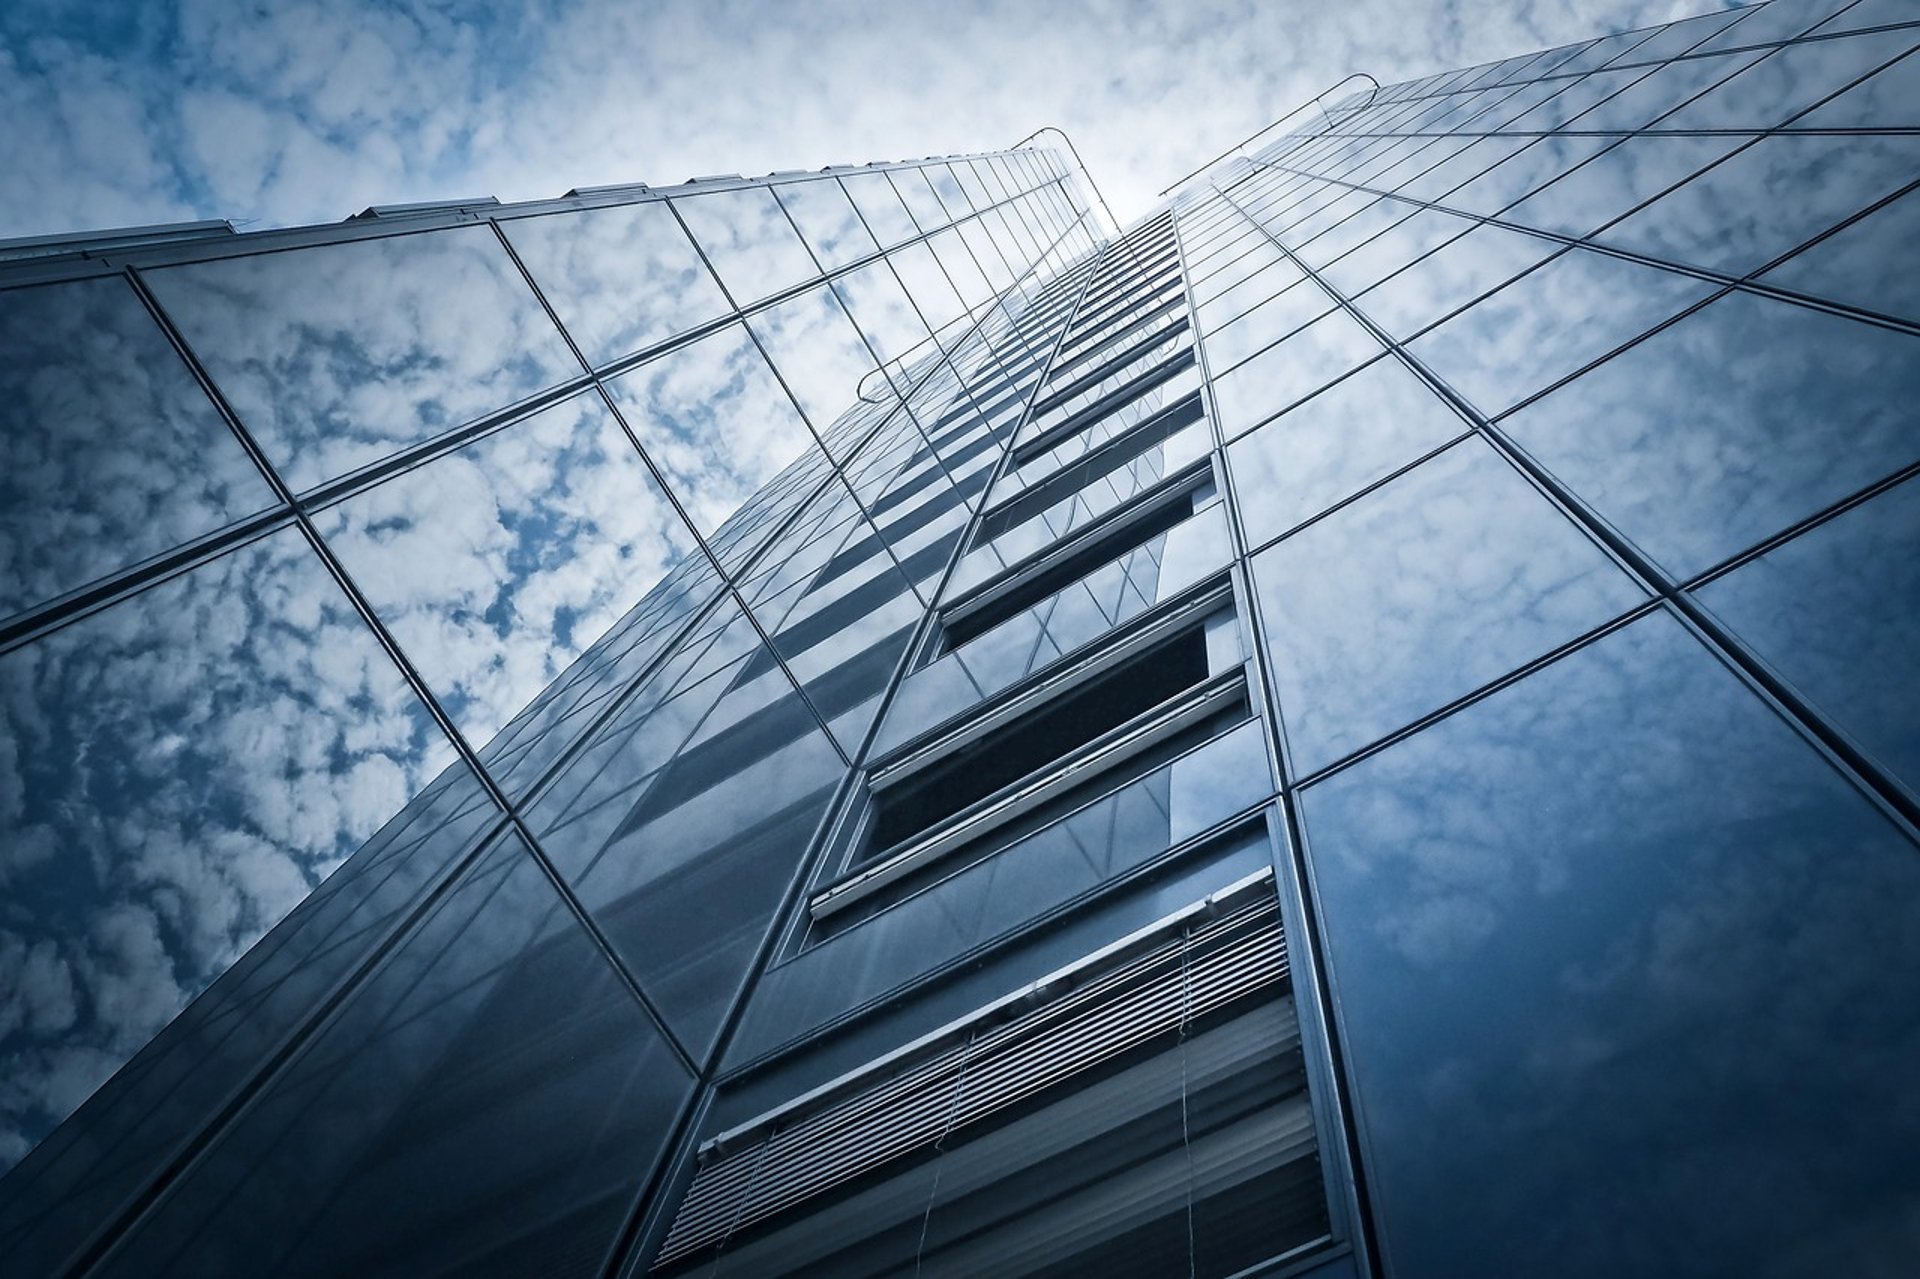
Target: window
point(1140, 1112)
point(979, 610)
point(1152, 693)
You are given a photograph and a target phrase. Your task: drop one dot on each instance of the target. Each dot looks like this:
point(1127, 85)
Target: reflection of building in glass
point(1364, 725)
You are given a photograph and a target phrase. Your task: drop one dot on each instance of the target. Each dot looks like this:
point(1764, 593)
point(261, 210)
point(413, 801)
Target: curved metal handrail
point(1317, 99)
point(860, 389)
point(1074, 151)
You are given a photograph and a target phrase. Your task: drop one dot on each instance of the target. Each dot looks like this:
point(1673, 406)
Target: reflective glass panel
point(1290, 370)
point(1385, 254)
point(1890, 98)
point(880, 207)
point(1768, 199)
point(932, 292)
point(821, 358)
point(497, 565)
point(1550, 322)
point(130, 1130)
point(109, 451)
point(451, 1083)
point(1787, 81)
point(920, 199)
point(748, 240)
point(1331, 446)
point(961, 268)
point(1850, 265)
point(1659, 975)
point(1616, 180)
point(1451, 276)
point(180, 771)
point(1729, 425)
point(620, 278)
point(717, 425)
point(883, 311)
point(1266, 324)
point(826, 219)
point(1837, 610)
point(683, 819)
point(1445, 578)
point(337, 356)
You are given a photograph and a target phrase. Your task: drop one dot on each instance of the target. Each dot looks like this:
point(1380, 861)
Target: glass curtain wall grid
point(865, 723)
point(689, 458)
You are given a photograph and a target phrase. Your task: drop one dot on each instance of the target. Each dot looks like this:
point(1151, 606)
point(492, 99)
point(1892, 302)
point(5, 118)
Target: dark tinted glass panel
point(1837, 610)
point(838, 611)
point(1660, 975)
point(684, 817)
point(1449, 576)
point(566, 708)
point(183, 769)
point(337, 356)
point(1041, 739)
point(128, 1131)
point(109, 451)
point(1729, 425)
point(452, 1099)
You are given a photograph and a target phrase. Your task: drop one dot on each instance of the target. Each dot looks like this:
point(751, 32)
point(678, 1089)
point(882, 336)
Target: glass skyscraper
point(871, 722)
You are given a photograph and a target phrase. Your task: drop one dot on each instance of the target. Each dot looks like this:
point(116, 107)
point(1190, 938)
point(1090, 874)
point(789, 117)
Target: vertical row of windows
point(1078, 729)
point(1139, 1113)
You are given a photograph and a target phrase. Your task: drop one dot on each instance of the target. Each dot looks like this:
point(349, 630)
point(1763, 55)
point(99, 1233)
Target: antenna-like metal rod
point(1316, 99)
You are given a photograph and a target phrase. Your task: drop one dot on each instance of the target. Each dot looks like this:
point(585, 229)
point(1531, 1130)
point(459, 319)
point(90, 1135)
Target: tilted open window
point(1153, 693)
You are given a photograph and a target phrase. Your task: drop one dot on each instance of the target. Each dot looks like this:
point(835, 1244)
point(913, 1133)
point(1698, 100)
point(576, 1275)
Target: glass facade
point(869, 722)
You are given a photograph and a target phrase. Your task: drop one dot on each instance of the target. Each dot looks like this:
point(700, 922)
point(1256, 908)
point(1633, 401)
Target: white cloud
point(318, 107)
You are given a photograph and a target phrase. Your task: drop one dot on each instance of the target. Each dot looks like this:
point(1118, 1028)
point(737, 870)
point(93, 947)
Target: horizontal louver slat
point(1214, 964)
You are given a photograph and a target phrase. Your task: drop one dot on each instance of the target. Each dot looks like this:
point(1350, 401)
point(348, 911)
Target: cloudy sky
point(275, 112)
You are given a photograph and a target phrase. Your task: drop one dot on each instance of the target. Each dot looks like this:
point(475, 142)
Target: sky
point(281, 112)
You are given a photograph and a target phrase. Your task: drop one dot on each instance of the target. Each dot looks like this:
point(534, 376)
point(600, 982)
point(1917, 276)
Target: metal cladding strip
point(1112, 395)
point(1218, 962)
point(1164, 279)
point(1124, 323)
point(1145, 338)
point(1106, 447)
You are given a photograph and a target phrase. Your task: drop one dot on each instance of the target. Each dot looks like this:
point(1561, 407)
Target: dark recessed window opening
point(1095, 466)
point(1139, 529)
point(1070, 722)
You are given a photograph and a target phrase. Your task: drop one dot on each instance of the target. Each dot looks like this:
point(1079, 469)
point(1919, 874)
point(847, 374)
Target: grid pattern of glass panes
point(1461, 549)
point(1568, 411)
point(585, 535)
